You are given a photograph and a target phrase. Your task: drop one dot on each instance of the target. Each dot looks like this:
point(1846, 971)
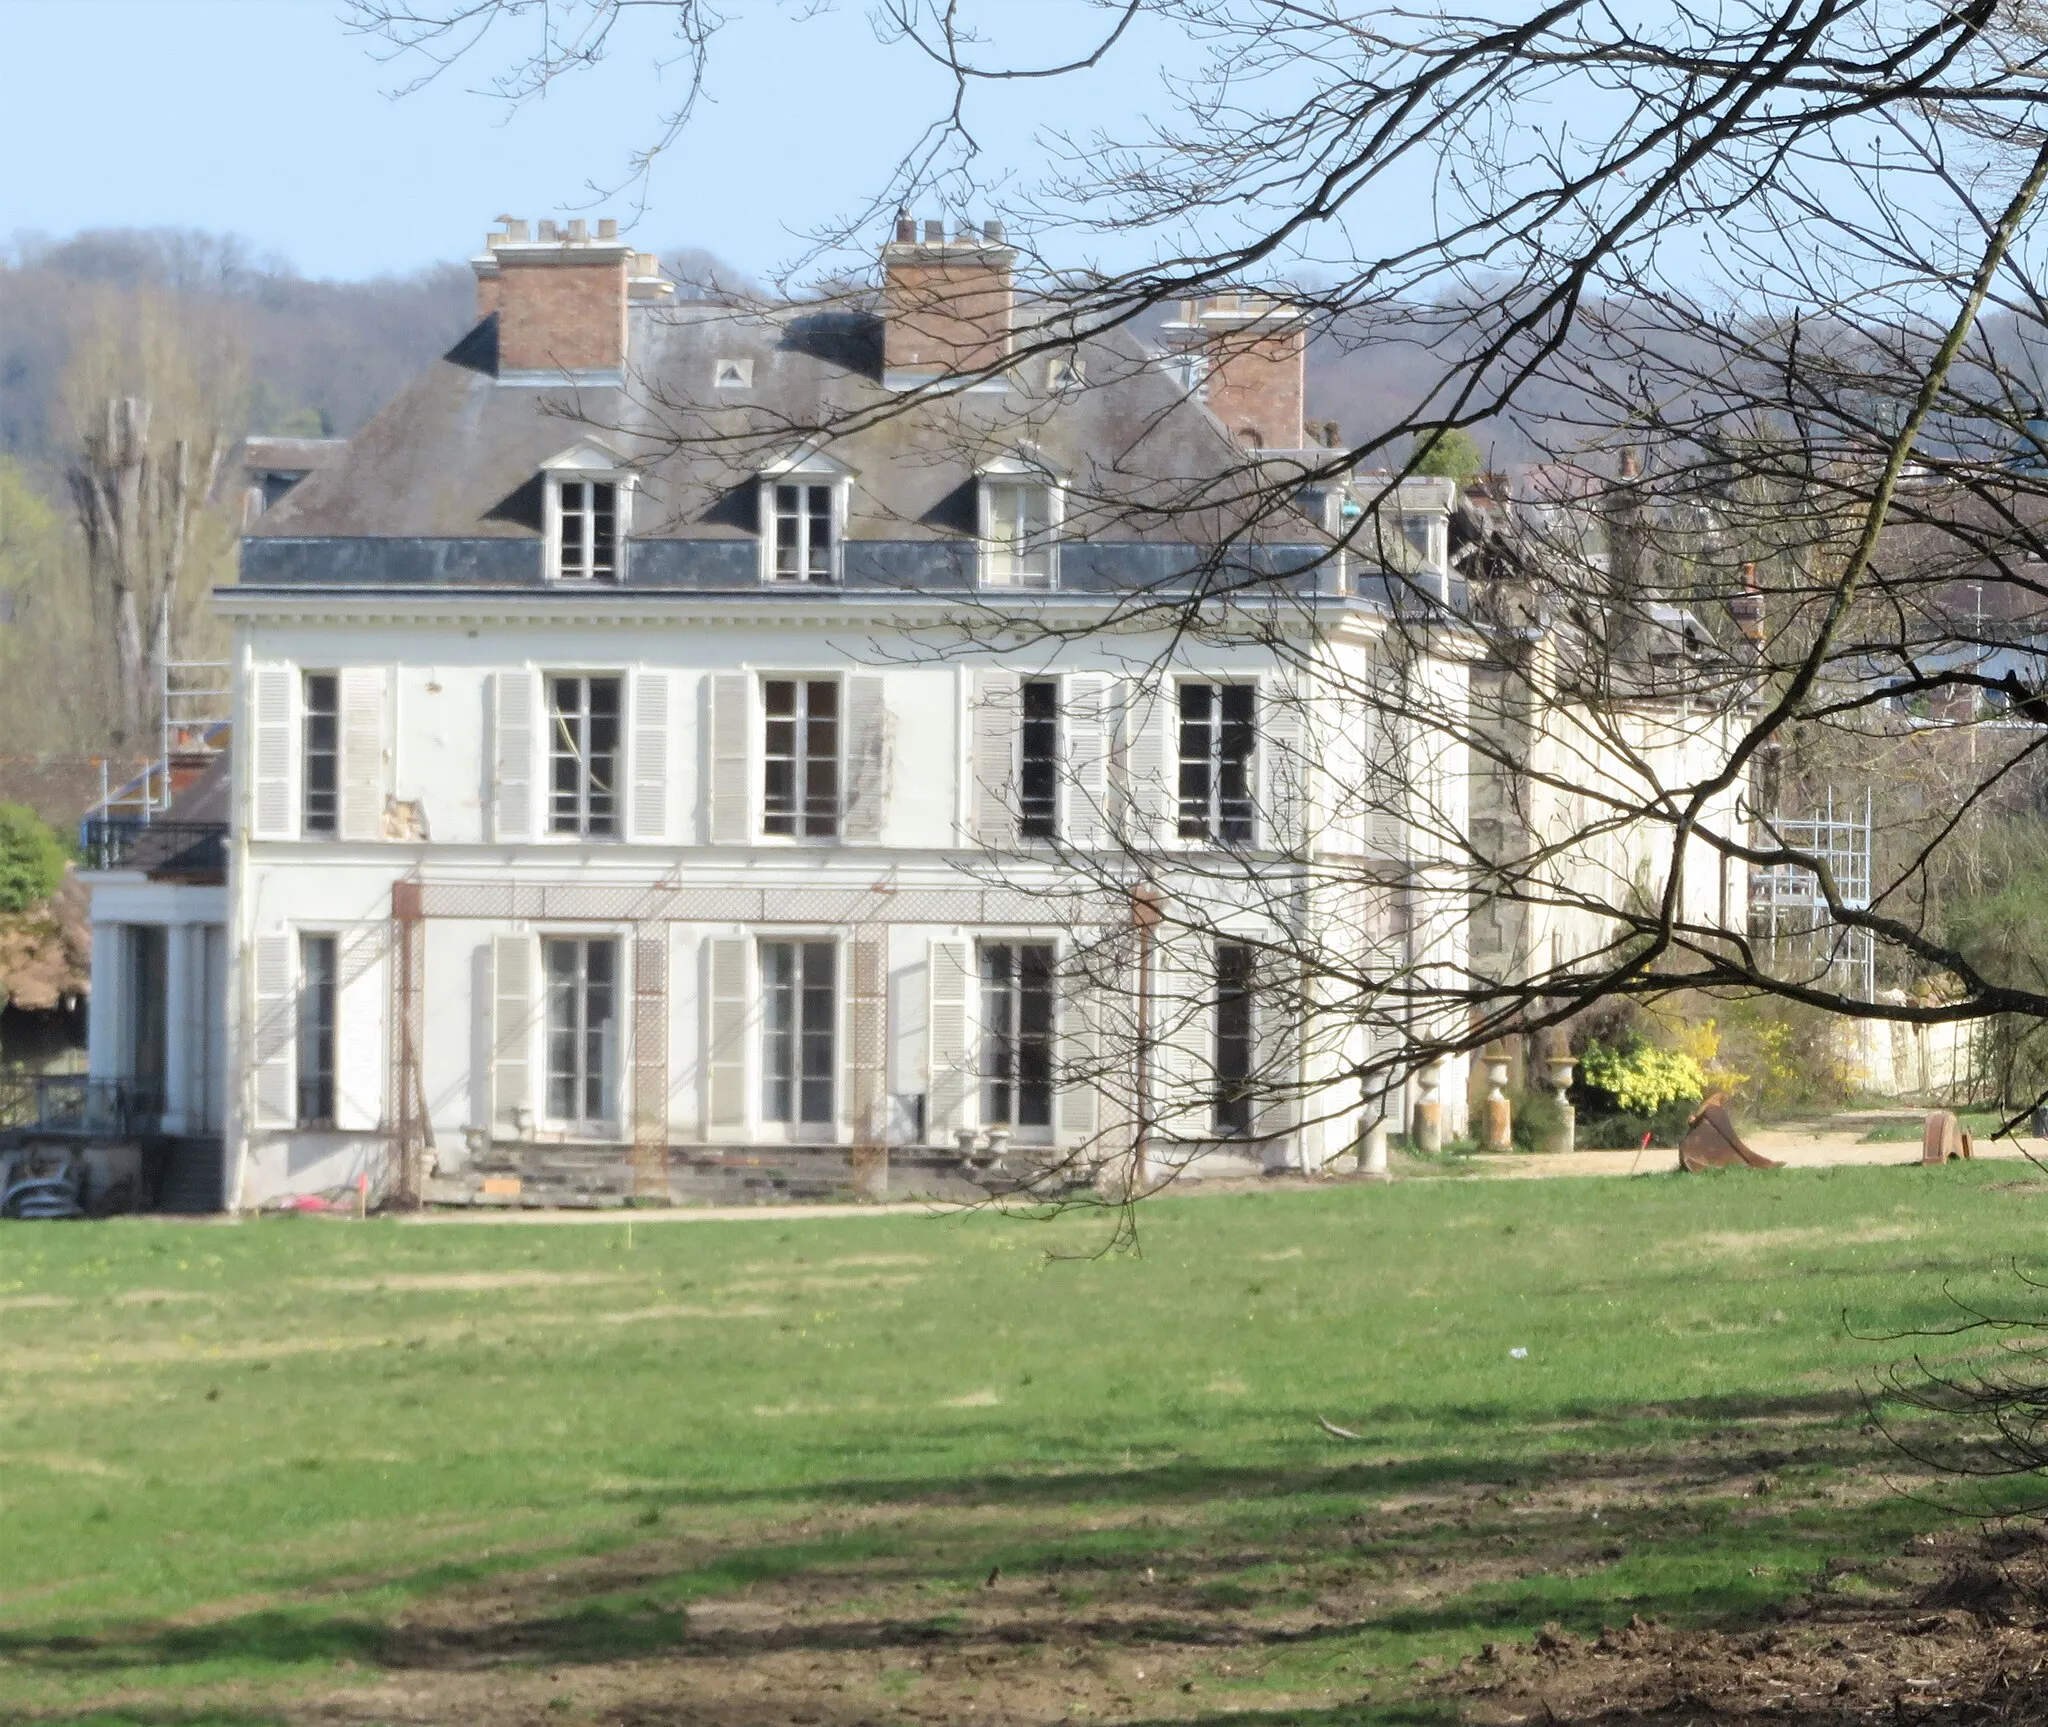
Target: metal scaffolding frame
point(1788, 912)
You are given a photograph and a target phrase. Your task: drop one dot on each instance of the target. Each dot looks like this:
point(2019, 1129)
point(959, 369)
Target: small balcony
point(169, 850)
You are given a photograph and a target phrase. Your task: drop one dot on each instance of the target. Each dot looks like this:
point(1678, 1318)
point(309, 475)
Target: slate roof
point(456, 456)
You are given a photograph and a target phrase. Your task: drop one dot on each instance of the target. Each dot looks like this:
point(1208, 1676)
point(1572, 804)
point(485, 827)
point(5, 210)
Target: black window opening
point(148, 946)
point(1234, 1031)
point(803, 534)
point(799, 1014)
point(1016, 1034)
point(583, 750)
point(800, 758)
point(321, 694)
point(317, 989)
point(1038, 763)
point(1217, 735)
point(582, 1016)
point(589, 548)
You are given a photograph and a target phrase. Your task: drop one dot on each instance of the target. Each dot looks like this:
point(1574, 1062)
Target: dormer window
point(589, 494)
point(803, 519)
point(805, 534)
point(1020, 522)
point(587, 531)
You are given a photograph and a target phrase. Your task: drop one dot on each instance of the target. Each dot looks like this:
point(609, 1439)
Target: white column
point(106, 1019)
point(180, 1005)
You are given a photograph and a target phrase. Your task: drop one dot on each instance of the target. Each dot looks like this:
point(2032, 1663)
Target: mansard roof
point(458, 454)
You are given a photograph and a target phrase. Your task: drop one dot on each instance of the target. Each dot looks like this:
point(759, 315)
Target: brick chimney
point(561, 294)
point(947, 304)
point(1253, 355)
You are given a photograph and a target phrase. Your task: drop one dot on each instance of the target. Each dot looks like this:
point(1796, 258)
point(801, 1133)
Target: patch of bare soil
point(1954, 1630)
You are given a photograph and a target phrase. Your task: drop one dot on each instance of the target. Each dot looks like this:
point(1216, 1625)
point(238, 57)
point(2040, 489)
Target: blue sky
point(269, 119)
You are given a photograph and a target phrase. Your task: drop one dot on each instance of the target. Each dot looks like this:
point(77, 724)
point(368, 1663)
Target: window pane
point(779, 765)
point(575, 526)
point(788, 533)
point(1197, 702)
point(778, 1031)
point(601, 790)
point(819, 1003)
point(998, 1033)
point(1038, 762)
point(322, 753)
point(317, 977)
point(604, 530)
point(820, 568)
point(1233, 1102)
point(1234, 764)
point(1034, 1035)
point(562, 968)
point(821, 759)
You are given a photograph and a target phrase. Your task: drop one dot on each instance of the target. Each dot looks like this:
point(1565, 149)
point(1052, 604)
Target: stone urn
point(1500, 1122)
point(1561, 1082)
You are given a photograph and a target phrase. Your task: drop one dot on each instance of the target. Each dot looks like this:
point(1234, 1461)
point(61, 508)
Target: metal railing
point(72, 1103)
point(161, 848)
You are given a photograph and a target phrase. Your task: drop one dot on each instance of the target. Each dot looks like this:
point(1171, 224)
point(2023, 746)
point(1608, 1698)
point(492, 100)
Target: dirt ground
point(1954, 1629)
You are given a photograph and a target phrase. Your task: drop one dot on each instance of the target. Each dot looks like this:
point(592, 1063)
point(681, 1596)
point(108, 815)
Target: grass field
point(900, 1468)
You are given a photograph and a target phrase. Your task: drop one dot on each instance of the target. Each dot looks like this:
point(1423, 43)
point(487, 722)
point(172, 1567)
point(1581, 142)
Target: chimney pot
point(992, 232)
point(607, 227)
point(1333, 434)
point(935, 233)
point(517, 229)
point(906, 228)
point(547, 231)
point(579, 231)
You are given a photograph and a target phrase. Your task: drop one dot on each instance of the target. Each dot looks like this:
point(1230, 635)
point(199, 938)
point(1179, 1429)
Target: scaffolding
point(194, 705)
point(1788, 912)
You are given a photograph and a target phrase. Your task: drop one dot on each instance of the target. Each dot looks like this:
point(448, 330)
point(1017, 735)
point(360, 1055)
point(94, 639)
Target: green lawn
point(889, 1469)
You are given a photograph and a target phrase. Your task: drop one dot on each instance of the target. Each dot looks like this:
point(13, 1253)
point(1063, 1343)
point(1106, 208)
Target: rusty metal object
point(1711, 1141)
point(1944, 1139)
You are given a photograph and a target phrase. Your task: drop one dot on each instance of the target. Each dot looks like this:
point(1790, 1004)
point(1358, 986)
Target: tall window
point(322, 739)
point(1233, 1102)
point(1038, 763)
point(583, 987)
point(1216, 739)
point(1016, 1034)
point(799, 1008)
point(800, 779)
point(1017, 552)
point(583, 756)
point(803, 534)
point(317, 979)
point(588, 516)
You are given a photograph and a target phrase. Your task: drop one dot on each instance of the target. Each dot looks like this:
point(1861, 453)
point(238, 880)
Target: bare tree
point(1759, 286)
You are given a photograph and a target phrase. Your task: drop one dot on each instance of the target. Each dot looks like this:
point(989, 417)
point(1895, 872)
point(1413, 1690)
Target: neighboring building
point(634, 793)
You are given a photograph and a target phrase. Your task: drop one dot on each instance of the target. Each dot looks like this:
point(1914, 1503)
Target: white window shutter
point(362, 753)
point(1080, 1059)
point(731, 823)
point(952, 1047)
point(1282, 733)
point(725, 1037)
point(515, 696)
point(512, 1018)
point(650, 756)
point(998, 715)
point(1147, 721)
point(274, 816)
point(867, 1088)
point(650, 1038)
point(276, 1031)
point(867, 760)
point(1086, 723)
point(1276, 1012)
point(359, 1048)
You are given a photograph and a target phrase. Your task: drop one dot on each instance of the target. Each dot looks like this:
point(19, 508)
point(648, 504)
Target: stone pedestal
point(1500, 1125)
point(1561, 1083)
point(1372, 1146)
point(1429, 1109)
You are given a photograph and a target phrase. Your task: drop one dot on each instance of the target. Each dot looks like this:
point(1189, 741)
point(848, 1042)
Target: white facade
point(157, 1020)
point(454, 726)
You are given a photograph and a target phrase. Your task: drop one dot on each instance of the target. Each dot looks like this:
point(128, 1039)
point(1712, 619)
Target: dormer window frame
point(597, 477)
point(997, 483)
point(807, 470)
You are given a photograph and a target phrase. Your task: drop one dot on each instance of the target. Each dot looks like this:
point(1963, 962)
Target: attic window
point(732, 374)
point(586, 530)
point(1019, 519)
point(806, 537)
